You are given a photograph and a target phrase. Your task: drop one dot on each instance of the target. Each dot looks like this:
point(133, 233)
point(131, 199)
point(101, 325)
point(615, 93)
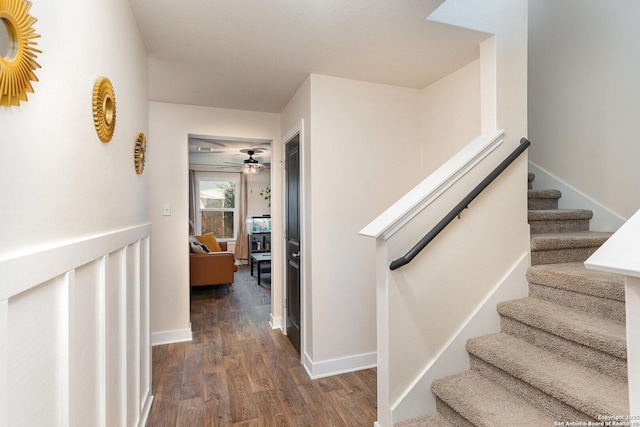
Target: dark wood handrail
point(406, 259)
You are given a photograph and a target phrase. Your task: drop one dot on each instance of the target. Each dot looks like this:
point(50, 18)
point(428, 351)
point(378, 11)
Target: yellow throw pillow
point(210, 240)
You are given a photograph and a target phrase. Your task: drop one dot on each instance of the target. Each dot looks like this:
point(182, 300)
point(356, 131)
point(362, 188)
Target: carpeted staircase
point(561, 354)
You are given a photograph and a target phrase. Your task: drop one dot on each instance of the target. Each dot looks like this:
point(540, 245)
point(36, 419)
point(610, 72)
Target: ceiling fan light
point(251, 168)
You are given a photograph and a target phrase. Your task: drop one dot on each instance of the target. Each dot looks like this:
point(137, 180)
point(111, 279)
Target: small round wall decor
point(17, 52)
point(104, 109)
point(139, 153)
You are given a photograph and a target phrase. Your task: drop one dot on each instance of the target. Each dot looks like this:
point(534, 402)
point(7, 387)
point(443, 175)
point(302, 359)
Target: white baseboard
point(603, 219)
point(418, 399)
point(170, 337)
point(275, 322)
point(342, 365)
point(146, 410)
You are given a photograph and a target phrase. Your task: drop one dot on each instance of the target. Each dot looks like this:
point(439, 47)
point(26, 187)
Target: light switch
point(166, 209)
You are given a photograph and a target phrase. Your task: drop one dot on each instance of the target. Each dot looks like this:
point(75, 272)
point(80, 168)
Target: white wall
point(583, 95)
point(364, 154)
point(58, 180)
point(364, 145)
point(74, 233)
point(361, 151)
point(450, 115)
point(169, 127)
point(257, 205)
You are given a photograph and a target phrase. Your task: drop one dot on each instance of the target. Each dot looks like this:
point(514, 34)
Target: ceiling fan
point(251, 160)
point(251, 165)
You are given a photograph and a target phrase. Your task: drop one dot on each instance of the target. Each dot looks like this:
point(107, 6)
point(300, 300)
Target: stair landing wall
point(603, 219)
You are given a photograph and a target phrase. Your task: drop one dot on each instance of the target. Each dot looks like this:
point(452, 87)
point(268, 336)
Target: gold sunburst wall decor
point(104, 108)
point(140, 152)
point(17, 52)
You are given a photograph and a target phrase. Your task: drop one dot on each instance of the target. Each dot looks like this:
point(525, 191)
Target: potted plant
point(266, 193)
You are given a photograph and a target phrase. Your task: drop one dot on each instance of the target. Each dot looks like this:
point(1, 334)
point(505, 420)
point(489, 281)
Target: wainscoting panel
point(116, 375)
point(75, 348)
point(37, 365)
point(86, 344)
point(145, 327)
point(133, 333)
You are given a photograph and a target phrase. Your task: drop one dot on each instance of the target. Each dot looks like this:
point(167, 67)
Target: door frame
point(297, 129)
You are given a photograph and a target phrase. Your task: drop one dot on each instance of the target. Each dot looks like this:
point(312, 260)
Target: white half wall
point(75, 344)
point(453, 358)
point(423, 305)
point(167, 160)
point(620, 254)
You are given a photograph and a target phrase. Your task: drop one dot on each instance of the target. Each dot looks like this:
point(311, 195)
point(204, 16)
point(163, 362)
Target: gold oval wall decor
point(104, 109)
point(17, 52)
point(139, 153)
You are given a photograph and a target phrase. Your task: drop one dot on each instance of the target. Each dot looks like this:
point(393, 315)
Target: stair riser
point(569, 226)
point(595, 359)
point(559, 256)
point(604, 307)
point(526, 391)
point(542, 204)
point(599, 285)
point(451, 415)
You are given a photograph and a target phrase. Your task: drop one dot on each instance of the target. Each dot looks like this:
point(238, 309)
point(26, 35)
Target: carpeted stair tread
point(605, 363)
point(559, 220)
point(559, 214)
point(484, 403)
point(434, 419)
point(583, 239)
point(551, 248)
point(592, 331)
point(543, 199)
point(582, 388)
point(544, 194)
point(575, 277)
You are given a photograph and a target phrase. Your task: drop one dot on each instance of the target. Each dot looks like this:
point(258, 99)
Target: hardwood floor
point(238, 371)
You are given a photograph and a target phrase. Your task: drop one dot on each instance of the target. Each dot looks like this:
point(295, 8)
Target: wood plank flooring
point(238, 371)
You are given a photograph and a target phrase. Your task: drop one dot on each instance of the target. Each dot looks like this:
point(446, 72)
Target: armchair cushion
point(197, 247)
point(210, 241)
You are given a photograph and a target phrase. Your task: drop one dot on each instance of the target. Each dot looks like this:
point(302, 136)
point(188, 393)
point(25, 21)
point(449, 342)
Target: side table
point(260, 258)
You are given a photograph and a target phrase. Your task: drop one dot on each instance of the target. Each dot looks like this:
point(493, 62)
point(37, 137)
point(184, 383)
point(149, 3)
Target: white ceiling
point(227, 153)
point(254, 54)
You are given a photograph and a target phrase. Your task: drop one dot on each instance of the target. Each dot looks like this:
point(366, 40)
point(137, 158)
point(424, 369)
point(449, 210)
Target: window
point(217, 208)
